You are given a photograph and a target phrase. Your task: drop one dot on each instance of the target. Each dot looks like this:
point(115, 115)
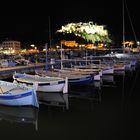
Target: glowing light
point(89, 31)
point(32, 45)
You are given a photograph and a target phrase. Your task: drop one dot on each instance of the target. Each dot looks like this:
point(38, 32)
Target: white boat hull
point(108, 71)
point(8, 100)
point(14, 95)
point(97, 77)
point(51, 88)
point(43, 84)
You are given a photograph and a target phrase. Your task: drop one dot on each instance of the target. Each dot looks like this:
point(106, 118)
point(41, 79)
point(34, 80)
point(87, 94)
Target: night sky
point(33, 28)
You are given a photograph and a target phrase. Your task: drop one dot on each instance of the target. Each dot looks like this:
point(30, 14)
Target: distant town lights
point(88, 31)
point(32, 45)
point(138, 42)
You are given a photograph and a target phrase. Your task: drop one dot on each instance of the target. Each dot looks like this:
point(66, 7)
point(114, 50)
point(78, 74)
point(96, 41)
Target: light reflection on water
point(93, 114)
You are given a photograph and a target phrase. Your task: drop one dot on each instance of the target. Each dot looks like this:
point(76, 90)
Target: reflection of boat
point(20, 115)
point(12, 94)
point(108, 78)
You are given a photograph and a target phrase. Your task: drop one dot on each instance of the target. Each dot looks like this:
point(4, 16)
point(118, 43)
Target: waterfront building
point(10, 47)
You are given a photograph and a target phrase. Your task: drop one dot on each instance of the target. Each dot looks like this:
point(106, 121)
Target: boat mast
point(49, 21)
point(46, 45)
point(46, 48)
point(128, 14)
point(123, 26)
point(61, 55)
point(131, 22)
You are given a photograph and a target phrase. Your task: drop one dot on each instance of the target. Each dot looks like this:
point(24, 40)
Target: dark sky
point(33, 27)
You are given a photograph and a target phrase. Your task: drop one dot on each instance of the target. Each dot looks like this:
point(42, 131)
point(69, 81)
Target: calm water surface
point(107, 113)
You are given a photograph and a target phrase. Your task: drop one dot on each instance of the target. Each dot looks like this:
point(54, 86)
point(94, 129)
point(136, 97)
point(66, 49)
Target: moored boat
point(13, 94)
point(44, 84)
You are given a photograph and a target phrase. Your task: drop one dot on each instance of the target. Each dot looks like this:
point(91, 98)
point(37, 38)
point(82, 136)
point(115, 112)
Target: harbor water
point(95, 113)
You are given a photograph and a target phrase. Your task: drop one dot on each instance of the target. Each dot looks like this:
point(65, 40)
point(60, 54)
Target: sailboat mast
point(123, 14)
point(46, 48)
point(131, 22)
point(49, 20)
point(46, 45)
point(61, 55)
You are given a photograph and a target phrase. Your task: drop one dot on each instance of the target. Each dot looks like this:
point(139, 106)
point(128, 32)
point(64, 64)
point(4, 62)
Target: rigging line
point(123, 24)
point(130, 20)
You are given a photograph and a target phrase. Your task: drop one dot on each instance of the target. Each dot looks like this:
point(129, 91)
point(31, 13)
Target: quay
point(7, 72)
